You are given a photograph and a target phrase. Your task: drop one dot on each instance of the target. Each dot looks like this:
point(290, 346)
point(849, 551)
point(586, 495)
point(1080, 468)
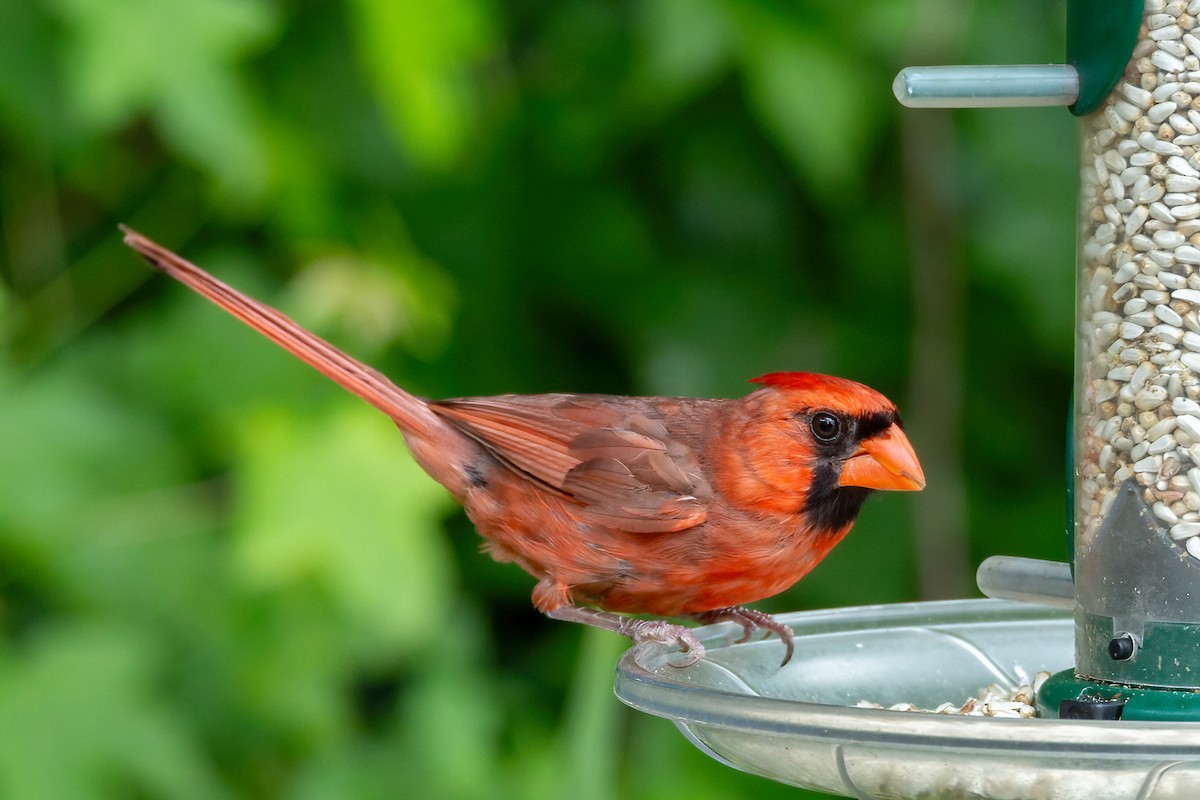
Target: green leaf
point(176, 61)
point(419, 57)
point(337, 501)
point(30, 88)
point(62, 441)
point(78, 703)
point(682, 46)
point(811, 98)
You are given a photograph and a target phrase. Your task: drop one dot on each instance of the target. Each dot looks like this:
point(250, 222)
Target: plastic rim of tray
point(799, 724)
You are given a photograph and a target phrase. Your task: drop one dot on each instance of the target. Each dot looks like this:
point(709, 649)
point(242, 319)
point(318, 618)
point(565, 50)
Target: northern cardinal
point(672, 507)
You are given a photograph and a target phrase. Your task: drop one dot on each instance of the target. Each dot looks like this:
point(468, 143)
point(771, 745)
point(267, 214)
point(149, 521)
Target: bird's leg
point(751, 621)
point(642, 631)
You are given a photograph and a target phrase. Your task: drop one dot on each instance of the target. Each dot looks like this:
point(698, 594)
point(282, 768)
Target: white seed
point(1167, 334)
point(1177, 49)
point(1162, 259)
point(1156, 114)
point(1140, 376)
point(1166, 33)
point(1161, 445)
point(1168, 315)
point(1148, 464)
point(1116, 189)
point(1169, 239)
point(1190, 425)
point(1151, 194)
point(1150, 397)
point(1136, 94)
point(1183, 530)
point(1132, 355)
point(1137, 218)
point(1187, 295)
point(1126, 271)
point(1161, 212)
point(1133, 305)
point(1130, 331)
point(1165, 514)
point(1182, 183)
point(1182, 405)
point(1163, 426)
point(1182, 167)
point(1193, 547)
point(1166, 62)
point(1191, 361)
point(1165, 90)
point(1171, 280)
point(1181, 124)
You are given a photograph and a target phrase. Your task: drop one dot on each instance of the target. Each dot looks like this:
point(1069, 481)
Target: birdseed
point(1139, 295)
point(992, 701)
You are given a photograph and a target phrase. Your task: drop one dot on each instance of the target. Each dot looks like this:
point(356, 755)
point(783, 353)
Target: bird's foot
point(751, 622)
point(643, 632)
point(657, 631)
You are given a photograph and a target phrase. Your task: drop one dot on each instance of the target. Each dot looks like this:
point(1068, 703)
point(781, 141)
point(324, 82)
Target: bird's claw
point(656, 631)
point(751, 622)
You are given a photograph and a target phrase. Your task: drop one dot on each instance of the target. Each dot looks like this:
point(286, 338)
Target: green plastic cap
point(1101, 35)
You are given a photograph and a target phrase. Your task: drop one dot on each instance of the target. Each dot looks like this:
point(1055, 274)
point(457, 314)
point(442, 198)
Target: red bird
point(673, 507)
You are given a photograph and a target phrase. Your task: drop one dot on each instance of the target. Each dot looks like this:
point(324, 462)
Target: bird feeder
point(1116, 717)
point(1135, 527)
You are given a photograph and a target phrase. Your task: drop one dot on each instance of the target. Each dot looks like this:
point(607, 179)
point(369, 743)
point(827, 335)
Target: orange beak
point(885, 461)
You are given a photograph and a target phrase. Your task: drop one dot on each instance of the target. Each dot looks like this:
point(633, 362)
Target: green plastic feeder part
point(1101, 35)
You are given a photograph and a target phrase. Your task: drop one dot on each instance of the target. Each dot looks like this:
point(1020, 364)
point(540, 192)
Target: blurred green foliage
point(220, 576)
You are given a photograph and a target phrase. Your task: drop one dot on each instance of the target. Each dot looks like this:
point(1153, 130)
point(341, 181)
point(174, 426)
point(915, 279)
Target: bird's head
point(818, 444)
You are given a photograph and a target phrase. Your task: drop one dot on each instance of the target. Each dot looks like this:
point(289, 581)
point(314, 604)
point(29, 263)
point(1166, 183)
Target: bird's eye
point(825, 426)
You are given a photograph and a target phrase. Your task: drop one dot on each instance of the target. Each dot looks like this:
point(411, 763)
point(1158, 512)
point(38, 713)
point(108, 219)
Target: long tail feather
point(409, 412)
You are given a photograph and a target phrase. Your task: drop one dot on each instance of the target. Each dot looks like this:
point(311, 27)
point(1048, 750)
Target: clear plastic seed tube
point(1137, 456)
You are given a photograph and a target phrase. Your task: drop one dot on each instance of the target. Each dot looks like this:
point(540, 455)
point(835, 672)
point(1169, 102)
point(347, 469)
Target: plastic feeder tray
point(799, 724)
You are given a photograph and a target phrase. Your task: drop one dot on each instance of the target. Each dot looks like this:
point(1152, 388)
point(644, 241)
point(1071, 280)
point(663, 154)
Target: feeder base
point(1067, 696)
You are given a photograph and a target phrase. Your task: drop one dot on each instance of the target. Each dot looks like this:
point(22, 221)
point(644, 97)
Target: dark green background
point(221, 576)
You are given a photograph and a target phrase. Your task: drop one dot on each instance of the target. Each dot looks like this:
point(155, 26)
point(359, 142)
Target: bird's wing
point(620, 464)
